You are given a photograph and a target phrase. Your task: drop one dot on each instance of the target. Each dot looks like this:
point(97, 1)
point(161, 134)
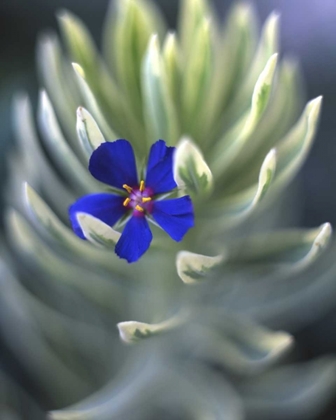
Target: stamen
point(127, 188)
point(126, 202)
point(137, 207)
point(146, 199)
point(142, 186)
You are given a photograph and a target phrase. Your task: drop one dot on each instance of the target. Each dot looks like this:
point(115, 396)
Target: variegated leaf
point(51, 228)
point(79, 41)
point(191, 172)
point(196, 77)
point(61, 153)
point(171, 56)
point(292, 249)
point(160, 113)
point(294, 148)
point(194, 268)
point(232, 143)
point(133, 331)
point(240, 345)
point(97, 232)
point(88, 132)
point(236, 208)
point(92, 103)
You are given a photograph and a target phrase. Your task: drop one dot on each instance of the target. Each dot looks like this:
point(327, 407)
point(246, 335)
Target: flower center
point(139, 199)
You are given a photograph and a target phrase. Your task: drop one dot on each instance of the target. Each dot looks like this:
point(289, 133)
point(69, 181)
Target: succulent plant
point(205, 317)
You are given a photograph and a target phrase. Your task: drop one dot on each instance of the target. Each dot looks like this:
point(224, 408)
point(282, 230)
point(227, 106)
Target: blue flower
point(114, 164)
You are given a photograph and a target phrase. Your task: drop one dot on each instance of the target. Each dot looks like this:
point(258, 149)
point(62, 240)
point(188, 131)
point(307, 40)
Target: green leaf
point(83, 51)
point(194, 268)
point(99, 81)
point(227, 149)
point(196, 77)
point(97, 232)
point(268, 46)
point(40, 174)
point(60, 151)
point(160, 114)
point(261, 94)
point(282, 112)
point(240, 345)
point(191, 172)
point(293, 149)
point(269, 40)
point(53, 230)
point(292, 249)
point(130, 25)
point(171, 56)
point(233, 52)
point(235, 208)
point(88, 132)
point(134, 331)
point(59, 82)
point(79, 41)
point(92, 103)
point(192, 15)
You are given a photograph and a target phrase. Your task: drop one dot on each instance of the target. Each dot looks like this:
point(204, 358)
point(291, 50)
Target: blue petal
point(175, 216)
point(135, 239)
point(114, 163)
point(106, 207)
point(160, 168)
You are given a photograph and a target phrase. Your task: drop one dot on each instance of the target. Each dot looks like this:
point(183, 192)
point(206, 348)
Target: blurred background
point(308, 31)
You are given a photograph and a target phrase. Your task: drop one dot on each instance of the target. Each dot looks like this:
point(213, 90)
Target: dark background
point(308, 31)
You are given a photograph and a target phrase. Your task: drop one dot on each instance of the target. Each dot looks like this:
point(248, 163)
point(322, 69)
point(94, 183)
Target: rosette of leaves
point(206, 317)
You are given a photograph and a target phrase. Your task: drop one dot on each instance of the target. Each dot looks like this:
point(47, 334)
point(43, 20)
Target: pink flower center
point(139, 199)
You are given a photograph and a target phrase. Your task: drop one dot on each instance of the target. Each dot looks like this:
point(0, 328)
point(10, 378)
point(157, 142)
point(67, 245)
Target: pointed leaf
point(268, 46)
point(161, 119)
point(240, 345)
point(235, 208)
point(233, 51)
point(60, 151)
point(282, 112)
point(88, 132)
point(129, 27)
point(59, 83)
point(192, 14)
point(196, 77)
point(294, 249)
point(232, 143)
point(293, 149)
point(194, 268)
point(51, 228)
point(92, 103)
point(97, 232)
point(171, 56)
point(320, 241)
point(191, 173)
point(44, 175)
point(79, 41)
point(134, 331)
point(99, 80)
